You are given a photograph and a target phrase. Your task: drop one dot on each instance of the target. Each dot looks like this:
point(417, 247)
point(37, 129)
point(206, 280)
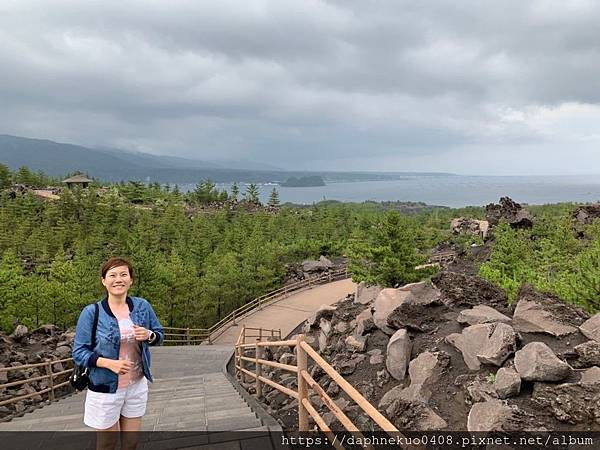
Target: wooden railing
point(50, 375)
point(305, 382)
point(190, 336)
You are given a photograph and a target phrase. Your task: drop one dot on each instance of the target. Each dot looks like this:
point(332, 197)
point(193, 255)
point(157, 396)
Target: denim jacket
point(108, 341)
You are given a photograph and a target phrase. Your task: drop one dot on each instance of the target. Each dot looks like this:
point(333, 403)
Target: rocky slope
point(451, 355)
point(23, 347)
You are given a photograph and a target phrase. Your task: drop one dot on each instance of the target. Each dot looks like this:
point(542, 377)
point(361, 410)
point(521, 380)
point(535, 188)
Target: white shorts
point(103, 410)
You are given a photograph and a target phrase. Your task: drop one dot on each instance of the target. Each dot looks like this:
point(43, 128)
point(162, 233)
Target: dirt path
point(288, 313)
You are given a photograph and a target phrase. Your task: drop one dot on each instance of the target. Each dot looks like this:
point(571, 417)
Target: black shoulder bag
point(80, 377)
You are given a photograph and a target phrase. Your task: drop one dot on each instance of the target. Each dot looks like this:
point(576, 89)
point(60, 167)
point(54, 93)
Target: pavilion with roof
point(77, 180)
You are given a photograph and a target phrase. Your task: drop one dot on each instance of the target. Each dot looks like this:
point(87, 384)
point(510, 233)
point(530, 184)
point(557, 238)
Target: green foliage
point(252, 193)
point(274, 198)
point(386, 254)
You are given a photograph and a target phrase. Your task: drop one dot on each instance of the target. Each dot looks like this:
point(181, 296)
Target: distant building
point(77, 180)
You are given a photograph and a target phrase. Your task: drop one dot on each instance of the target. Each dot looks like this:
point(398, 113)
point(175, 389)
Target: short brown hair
point(116, 262)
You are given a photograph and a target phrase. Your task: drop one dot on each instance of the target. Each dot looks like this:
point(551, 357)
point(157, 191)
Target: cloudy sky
point(489, 87)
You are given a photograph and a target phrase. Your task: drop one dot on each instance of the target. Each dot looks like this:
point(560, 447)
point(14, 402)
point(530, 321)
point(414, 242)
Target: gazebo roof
point(78, 179)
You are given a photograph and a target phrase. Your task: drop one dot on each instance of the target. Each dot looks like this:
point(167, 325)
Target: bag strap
point(96, 310)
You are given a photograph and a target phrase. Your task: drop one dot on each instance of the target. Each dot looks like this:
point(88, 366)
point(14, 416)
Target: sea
point(455, 191)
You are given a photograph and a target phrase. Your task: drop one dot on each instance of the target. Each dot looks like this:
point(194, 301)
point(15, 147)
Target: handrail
point(305, 382)
point(50, 374)
point(219, 327)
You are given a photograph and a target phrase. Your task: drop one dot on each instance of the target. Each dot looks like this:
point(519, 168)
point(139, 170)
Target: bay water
point(444, 190)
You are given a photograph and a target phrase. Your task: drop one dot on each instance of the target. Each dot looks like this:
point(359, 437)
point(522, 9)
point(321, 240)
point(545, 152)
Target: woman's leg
point(106, 439)
point(129, 432)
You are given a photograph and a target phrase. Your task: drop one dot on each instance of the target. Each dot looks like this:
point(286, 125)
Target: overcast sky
point(493, 87)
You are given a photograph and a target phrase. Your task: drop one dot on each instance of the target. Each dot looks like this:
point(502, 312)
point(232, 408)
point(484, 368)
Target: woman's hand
point(118, 366)
point(141, 333)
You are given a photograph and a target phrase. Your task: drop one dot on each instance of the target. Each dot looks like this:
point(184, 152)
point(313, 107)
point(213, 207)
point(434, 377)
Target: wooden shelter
point(77, 180)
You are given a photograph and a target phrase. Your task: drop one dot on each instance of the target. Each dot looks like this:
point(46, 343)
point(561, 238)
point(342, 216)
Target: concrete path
point(289, 312)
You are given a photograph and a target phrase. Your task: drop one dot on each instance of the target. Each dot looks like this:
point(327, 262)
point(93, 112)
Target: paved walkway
point(289, 312)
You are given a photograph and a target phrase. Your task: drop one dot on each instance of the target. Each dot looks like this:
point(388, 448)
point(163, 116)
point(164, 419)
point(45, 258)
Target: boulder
point(365, 293)
point(590, 376)
point(492, 415)
point(501, 344)
point(481, 314)
point(325, 326)
point(411, 317)
point(422, 293)
point(588, 354)
point(507, 383)
point(471, 342)
point(386, 302)
point(537, 362)
point(356, 343)
point(545, 313)
point(323, 341)
point(473, 227)
point(364, 322)
point(591, 328)
point(322, 265)
point(399, 348)
point(425, 370)
point(324, 312)
point(287, 358)
point(64, 351)
point(20, 333)
point(510, 211)
point(414, 416)
point(573, 403)
point(341, 327)
point(480, 391)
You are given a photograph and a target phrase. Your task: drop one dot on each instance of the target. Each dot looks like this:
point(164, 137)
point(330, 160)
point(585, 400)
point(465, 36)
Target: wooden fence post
point(302, 362)
point(233, 322)
point(187, 336)
point(49, 372)
point(243, 353)
point(257, 356)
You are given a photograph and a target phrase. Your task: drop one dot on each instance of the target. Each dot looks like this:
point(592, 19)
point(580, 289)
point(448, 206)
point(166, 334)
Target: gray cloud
point(342, 84)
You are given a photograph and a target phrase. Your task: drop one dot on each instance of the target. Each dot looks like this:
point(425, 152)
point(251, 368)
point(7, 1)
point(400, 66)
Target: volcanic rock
point(481, 391)
point(364, 322)
point(493, 415)
point(573, 403)
point(470, 290)
point(481, 314)
point(537, 362)
point(422, 293)
point(471, 342)
point(590, 376)
point(365, 294)
point(510, 211)
point(414, 416)
point(538, 312)
point(399, 348)
point(470, 226)
point(507, 383)
point(324, 312)
point(588, 354)
point(20, 332)
point(502, 344)
point(591, 328)
point(356, 342)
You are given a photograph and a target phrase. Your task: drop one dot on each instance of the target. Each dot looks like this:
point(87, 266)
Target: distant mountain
point(57, 159)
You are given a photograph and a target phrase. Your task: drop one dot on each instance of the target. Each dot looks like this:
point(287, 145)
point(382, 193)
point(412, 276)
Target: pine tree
point(252, 193)
point(274, 198)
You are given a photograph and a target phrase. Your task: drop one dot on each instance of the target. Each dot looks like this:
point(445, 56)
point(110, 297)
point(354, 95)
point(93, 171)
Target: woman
point(119, 359)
